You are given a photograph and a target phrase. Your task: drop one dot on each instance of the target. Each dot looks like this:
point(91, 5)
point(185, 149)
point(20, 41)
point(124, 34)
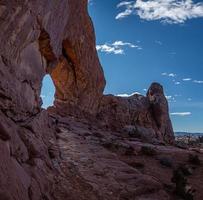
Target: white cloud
point(129, 9)
point(169, 75)
point(187, 79)
point(124, 3)
point(178, 95)
point(158, 42)
point(177, 83)
point(127, 95)
point(172, 75)
point(167, 11)
point(182, 114)
point(199, 82)
point(168, 97)
point(116, 47)
point(121, 43)
point(108, 48)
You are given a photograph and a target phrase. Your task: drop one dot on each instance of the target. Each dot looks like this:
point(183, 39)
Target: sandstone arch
point(57, 38)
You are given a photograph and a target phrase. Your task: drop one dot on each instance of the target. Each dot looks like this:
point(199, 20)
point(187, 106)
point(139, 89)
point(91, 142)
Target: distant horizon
point(188, 132)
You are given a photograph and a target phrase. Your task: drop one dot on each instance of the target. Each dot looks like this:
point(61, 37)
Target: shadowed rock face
point(78, 76)
point(39, 37)
point(57, 38)
point(160, 112)
point(150, 112)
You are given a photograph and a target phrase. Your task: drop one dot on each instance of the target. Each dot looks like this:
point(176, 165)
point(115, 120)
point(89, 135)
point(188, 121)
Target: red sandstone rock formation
point(149, 112)
point(160, 112)
point(48, 157)
point(36, 39)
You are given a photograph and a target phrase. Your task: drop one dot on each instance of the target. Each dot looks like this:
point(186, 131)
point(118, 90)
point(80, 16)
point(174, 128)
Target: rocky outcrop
point(160, 112)
point(39, 37)
point(78, 75)
point(105, 164)
point(37, 40)
point(150, 112)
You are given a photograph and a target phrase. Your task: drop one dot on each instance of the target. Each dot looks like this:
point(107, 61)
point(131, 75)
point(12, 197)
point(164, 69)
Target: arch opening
point(47, 92)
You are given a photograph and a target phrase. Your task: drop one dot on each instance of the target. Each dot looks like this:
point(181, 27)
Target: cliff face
point(39, 37)
point(45, 156)
point(53, 37)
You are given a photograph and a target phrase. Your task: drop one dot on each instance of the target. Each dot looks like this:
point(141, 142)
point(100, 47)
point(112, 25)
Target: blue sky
point(140, 42)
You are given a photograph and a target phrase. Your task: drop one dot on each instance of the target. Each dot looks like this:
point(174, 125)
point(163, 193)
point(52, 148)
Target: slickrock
point(88, 146)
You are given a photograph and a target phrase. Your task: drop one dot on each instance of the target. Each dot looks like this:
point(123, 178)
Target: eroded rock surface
point(120, 166)
point(150, 112)
point(39, 37)
point(160, 111)
point(93, 151)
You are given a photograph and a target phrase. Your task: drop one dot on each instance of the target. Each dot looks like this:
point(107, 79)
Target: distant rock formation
point(160, 112)
point(149, 112)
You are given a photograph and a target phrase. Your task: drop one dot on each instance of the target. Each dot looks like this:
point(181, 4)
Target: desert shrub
point(201, 139)
point(181, 185)
point(186, 170)
point(148, 150)
point(194, 159)
point(167, 162)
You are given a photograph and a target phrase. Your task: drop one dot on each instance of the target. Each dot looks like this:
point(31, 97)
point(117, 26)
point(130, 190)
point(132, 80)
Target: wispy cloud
point(167, 11)
point(172, 75)
point(178, 95)
point(117, 47)
point(127, 95)
point(172, 53)
point(177, 83)
point(158, 42)
point(199, 82)
point(182, 114)
point(170, 98)
point(129, 9)
point(168, 74)
point(186, 79)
